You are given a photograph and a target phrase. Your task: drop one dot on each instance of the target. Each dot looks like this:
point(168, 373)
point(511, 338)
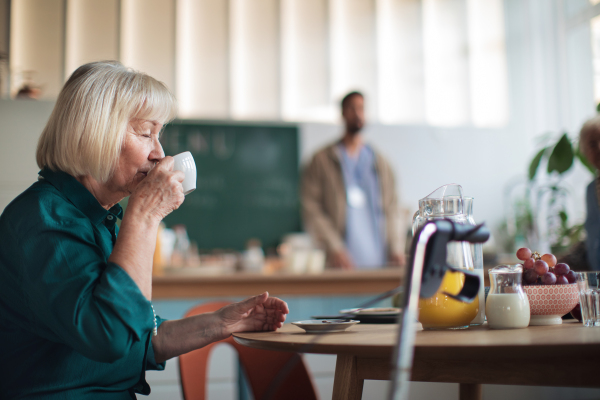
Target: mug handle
point(470, 288)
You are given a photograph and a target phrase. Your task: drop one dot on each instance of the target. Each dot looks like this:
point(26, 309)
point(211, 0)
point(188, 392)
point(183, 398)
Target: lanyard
point(356, 192)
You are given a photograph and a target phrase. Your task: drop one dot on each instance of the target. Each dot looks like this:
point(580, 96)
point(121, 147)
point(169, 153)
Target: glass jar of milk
point(507, 305)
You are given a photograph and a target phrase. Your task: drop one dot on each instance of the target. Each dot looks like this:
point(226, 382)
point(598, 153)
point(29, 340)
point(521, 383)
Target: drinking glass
point(477, 252)
point(589, 297)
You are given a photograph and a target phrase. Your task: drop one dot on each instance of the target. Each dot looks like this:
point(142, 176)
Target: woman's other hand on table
point(257, 313)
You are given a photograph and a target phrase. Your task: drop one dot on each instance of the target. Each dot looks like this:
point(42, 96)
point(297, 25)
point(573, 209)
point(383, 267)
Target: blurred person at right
point(589, 145)
point(349, 198)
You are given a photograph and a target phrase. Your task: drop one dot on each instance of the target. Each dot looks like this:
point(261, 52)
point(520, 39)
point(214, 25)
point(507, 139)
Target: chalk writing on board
point(247, 182)
point(210, 182)
point(223, 144)
point(198, 142)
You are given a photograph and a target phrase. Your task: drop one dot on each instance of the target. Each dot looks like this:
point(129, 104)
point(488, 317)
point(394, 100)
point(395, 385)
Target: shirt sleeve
point(592, 226)
point(151, 363)
point(316, 222)
point(75, 297)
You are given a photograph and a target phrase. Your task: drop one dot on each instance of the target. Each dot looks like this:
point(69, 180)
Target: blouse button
point(110, 217)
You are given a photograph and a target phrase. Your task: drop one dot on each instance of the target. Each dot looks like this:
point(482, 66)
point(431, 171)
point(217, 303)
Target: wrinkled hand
point(257, 313)
point(161, 191)
point(341, 259)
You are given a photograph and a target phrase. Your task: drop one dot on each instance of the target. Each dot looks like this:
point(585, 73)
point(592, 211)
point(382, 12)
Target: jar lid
point(507, 269)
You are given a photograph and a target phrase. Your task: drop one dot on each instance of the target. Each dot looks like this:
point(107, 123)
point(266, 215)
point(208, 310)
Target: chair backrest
point(262, 367)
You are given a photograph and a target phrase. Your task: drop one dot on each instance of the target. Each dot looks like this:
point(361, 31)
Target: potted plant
point(539, 218)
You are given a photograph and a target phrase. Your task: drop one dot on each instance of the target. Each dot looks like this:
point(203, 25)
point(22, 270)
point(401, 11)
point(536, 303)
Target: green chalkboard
point(247, 183)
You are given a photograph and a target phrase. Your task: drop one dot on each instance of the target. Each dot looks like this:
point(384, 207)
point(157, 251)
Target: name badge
point(356, 197)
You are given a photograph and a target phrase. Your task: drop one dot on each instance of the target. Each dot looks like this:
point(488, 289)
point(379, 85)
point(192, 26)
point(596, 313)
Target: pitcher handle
point(470, 288)
point(414, 220)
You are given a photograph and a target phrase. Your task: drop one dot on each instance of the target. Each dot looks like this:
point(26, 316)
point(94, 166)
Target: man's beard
point(353, 130)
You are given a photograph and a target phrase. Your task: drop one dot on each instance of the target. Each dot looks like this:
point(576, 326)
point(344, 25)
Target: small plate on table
point(387, 315)
point(325, 325)
point(381, 311)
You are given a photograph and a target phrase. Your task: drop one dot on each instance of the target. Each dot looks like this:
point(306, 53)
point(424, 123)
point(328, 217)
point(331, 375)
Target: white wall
point(21, 123)
point(37, 45)
point(4, 41)
point(423, 158)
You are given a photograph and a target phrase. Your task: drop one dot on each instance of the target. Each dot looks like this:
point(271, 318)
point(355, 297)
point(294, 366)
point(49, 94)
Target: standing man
point(349, 201)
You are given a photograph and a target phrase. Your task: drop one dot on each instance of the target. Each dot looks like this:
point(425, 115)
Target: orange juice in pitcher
point(443, 312)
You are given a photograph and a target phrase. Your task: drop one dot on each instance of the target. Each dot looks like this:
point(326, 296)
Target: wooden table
point(194, 284)
point(560, 355)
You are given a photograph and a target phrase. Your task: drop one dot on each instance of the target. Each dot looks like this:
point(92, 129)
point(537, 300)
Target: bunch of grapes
point(543, 270)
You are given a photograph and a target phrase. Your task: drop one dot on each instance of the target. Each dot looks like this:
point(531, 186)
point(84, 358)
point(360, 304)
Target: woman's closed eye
point(144, 131)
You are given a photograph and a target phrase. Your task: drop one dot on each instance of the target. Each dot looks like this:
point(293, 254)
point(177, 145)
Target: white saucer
point(372, 311)
point(324, 325)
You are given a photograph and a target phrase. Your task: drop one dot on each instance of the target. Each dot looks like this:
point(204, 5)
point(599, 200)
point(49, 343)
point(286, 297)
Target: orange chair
point(261, 368)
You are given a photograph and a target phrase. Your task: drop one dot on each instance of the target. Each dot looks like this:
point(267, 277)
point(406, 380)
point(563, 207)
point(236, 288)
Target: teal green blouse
point(72, 324)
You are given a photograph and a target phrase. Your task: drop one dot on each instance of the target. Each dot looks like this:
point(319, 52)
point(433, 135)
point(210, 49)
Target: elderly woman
point(589, 144)
point(75, 290)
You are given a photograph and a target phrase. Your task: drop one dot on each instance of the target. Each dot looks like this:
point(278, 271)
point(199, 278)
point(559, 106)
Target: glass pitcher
point(441, 311)
point(507, 305)
point(477, 252)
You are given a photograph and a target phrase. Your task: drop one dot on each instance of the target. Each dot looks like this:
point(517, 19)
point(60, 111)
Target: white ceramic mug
point(185, 162)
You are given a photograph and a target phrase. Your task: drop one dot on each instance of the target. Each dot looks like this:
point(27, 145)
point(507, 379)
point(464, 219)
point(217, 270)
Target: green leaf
point(598, 108)
point(561, 158)
point(585, 161)
point(535, 163)
point(563, 216)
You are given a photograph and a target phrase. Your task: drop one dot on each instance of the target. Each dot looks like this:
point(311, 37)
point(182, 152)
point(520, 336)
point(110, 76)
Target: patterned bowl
point(548, 303)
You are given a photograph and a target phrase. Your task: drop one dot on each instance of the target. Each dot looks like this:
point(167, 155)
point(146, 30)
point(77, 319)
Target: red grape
point(523, 253)
point(561, 269)
point(528, 264)
point(548, 278)
point(550, 259)
point(540, 267)
point(571, 277)
point(529, 277)
point(561, 280)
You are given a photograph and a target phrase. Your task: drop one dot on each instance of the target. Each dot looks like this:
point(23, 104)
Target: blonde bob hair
point(87, 127)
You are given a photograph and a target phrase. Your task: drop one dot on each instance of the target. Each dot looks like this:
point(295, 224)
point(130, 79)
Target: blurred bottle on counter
point(300, 255)
point(165, 240)
point(158, 263)
point(253, 258)
point(181, 246)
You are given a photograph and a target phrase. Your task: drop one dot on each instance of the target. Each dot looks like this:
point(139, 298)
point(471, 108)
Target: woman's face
point(141, 150)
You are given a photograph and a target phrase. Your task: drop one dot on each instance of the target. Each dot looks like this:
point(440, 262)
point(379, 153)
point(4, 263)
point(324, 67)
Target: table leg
point(347, 385)
point(470, 391)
